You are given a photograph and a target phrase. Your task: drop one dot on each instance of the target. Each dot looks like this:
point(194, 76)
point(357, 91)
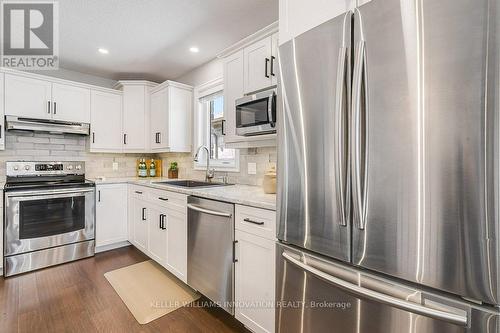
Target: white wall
point(203, 74)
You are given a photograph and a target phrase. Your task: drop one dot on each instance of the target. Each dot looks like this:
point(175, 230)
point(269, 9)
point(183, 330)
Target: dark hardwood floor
point(76, 297)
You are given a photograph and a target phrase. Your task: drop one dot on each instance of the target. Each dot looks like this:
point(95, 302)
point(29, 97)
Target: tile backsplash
point(30, 146)
point(263, 157)
point(50, 147)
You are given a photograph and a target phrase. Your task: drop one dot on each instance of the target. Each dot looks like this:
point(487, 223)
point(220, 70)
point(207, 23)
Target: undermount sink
point(190, 183)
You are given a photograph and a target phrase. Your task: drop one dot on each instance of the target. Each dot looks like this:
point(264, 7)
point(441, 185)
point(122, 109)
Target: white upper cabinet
point(159, 120)
point(70, 103)
point(170, 119)
point(233, 89)
point(136, 112)
point(27, 97)
point(257, 68)
point(106, 122)
point(260, 64)
point(299, 16)
point(42, 99)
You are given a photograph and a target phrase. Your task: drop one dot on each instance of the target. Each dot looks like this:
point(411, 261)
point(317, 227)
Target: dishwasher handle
point(208, 211)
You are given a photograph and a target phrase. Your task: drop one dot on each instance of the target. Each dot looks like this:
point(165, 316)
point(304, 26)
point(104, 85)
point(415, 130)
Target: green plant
point(173, 166)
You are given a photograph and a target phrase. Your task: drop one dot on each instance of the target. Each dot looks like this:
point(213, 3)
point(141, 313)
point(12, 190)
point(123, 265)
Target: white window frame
point(201, 128)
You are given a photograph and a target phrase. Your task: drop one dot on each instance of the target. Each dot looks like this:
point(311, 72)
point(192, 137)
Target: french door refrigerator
point(388, 200)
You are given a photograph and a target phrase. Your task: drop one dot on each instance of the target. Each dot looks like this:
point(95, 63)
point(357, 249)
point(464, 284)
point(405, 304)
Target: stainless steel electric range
point(49, 214)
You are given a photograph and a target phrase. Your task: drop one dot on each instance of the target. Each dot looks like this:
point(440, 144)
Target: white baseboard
point(104, 248)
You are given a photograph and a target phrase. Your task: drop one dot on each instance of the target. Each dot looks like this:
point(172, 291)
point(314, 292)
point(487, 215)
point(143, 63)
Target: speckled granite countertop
point(246, 195)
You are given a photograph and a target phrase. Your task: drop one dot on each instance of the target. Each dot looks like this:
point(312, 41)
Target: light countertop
point(247, 195)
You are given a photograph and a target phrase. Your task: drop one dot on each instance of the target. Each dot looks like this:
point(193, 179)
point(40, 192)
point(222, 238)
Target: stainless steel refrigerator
point(388, 156)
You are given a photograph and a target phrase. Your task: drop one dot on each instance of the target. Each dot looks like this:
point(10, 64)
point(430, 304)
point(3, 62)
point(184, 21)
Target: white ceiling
point(150, 39)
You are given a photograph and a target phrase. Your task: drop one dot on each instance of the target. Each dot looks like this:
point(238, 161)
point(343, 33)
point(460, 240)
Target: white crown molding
point(56, 80)
point(169, 83)
point(120, 84)
point(261, 34)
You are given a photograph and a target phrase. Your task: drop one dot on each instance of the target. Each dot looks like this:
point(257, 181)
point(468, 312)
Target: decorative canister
point(269, 182)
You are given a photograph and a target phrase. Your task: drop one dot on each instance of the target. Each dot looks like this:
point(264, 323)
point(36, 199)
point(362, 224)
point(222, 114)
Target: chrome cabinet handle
point(208, 211)
point(144, 214)
point(162, 221)
point(359, 93)
point(381, 297)
point(252, 221)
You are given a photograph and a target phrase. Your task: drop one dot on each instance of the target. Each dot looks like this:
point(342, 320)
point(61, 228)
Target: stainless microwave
point(256, 114)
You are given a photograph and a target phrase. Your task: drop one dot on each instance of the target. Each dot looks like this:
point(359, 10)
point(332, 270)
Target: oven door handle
point(34, 195)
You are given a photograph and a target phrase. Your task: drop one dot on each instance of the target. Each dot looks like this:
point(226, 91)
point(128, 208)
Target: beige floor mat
point(149, 291)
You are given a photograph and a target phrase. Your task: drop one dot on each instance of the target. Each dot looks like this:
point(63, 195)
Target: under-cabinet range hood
point(44, 125)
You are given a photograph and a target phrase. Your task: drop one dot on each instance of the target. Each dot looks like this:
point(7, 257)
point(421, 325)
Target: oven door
point(256, 114)
point(37, 220)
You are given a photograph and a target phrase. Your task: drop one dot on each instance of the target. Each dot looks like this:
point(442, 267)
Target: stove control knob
point(26, 167)
point(78, 167)
point(16, 167)
point(69, 167)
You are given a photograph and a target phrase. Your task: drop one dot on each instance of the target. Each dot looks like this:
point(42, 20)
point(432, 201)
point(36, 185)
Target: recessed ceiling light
point(194, 49)
point(103, 51)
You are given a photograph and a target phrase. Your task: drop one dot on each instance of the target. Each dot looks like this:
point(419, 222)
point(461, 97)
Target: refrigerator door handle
point(340, 113)
point(362, 292)
point(359, 115)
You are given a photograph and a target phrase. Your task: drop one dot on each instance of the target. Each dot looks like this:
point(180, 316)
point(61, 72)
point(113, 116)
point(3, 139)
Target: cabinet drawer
point(260, 222)
point(139, 192)
point(168, 199)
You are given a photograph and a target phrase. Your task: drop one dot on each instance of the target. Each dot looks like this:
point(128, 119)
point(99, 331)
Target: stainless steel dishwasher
point(211, 250)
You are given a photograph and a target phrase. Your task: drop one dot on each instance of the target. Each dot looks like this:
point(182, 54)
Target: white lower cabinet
point(139, 224)
point(158, 227)
point(255, 281)
point(157, 235)
point(111, 214)
point(176, 224)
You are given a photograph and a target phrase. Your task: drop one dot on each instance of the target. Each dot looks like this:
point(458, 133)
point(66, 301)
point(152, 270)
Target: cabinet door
point(180, 102)
point(159, 120)
point(134, 118)
point(27, 97)
point(70, 103)
point(141, 215)
point(2, 113)
point(111, 214)
point(233, 89)
point(106, 121)
point(157, 234)
point(176, 224)
point(257, 65)
point(254, 281)
point(274, 59)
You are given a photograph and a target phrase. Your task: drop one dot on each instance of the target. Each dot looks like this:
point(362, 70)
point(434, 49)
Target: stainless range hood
point(43, 125)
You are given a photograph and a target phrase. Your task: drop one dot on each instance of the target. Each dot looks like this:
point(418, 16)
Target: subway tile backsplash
point(49, 147)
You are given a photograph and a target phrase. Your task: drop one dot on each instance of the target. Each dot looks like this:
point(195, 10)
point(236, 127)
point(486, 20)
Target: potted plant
point(173, 171)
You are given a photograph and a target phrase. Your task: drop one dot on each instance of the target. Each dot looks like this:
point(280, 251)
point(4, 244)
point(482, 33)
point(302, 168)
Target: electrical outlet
point(115, 166)
point(252, 168)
